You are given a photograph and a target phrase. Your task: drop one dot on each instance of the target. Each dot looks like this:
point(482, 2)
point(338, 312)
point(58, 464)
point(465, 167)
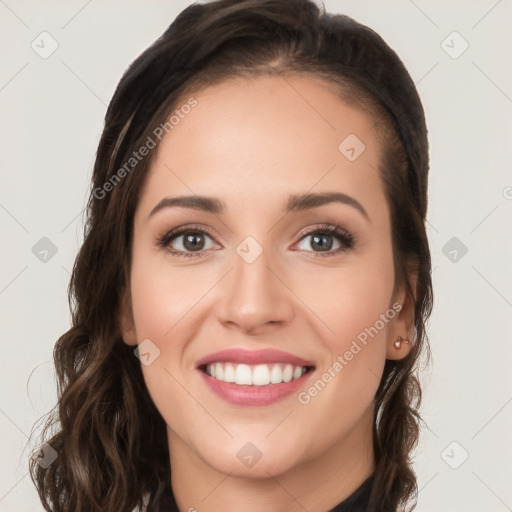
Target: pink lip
point(252, 357)
point(253, 395)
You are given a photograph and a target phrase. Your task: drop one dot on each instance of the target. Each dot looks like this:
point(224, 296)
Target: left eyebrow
point(296, 202)
point(302, 202)
point(201, 203)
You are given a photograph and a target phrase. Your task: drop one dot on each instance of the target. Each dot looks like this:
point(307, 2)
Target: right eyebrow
point(300, 202)
point(296, 202)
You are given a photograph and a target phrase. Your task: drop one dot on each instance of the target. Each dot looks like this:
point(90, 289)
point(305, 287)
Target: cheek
point(161, 308)
point(346, 384)
point(354, 305)
point(351, 298)
point(356, 310)
point(161, 295)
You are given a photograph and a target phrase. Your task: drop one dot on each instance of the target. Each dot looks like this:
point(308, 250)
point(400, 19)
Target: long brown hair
point(109, 438)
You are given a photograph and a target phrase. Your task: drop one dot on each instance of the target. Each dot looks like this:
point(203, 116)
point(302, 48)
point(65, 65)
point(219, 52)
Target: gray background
point(52, 112)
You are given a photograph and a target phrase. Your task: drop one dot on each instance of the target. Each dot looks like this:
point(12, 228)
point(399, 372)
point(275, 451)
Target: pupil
point(317, 240)
point(191, 242)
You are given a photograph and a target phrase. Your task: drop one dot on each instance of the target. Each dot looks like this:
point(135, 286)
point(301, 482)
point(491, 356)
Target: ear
point(126, 323)
point(403, 323)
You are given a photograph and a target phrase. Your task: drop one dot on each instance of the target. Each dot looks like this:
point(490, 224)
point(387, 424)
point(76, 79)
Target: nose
point(256, 296)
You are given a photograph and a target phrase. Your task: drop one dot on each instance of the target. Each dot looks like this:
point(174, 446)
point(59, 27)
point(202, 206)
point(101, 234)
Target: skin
point(252, 143)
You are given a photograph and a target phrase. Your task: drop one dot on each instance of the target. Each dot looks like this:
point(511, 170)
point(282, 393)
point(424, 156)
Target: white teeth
point(257, 375)
point(219, 372)
point(243, 375)
point(288, 372)
point(260, 375)
point(229, 373)
point(276, 375)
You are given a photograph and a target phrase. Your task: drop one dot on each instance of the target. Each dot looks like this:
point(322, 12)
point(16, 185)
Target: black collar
point(356, 502)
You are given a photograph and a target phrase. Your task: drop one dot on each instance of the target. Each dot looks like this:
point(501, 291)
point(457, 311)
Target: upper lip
point(253, 357)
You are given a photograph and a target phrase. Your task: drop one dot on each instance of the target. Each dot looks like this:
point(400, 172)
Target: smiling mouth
point(254, 375)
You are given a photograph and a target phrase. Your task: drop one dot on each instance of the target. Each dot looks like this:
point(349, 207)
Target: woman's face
point(258, 290)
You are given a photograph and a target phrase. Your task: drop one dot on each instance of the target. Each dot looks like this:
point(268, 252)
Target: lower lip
point(253, 395)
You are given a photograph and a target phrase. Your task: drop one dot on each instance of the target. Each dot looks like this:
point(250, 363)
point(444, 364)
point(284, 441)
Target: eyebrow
point(296, 203)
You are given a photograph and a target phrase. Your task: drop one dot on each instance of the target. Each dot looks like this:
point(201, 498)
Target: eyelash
point(348, 240)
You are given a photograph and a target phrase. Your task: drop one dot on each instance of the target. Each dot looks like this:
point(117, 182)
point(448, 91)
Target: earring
point(398, 342)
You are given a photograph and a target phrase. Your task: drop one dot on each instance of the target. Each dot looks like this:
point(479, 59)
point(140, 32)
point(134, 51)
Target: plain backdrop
point(459, 53)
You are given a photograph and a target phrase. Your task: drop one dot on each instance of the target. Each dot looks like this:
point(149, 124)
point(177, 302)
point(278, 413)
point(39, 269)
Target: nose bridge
point(254, 295)
point(252, 260)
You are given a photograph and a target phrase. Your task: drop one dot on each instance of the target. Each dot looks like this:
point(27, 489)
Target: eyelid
point(169, 235)
point(323, 227)
point(334, 229)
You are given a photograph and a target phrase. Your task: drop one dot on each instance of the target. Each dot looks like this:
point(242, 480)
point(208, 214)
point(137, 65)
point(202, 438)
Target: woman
point(251, 295)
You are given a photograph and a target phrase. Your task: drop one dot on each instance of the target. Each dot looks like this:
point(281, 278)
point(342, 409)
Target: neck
point(317, 484)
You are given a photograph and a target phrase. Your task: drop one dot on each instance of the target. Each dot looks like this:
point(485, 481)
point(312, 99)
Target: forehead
point(250, 139)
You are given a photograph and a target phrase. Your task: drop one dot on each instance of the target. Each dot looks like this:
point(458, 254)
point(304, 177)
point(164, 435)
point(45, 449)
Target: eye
point(322, 237)
point(189, 239)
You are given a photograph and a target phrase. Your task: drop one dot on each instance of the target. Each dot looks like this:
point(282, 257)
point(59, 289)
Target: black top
point(356, 502)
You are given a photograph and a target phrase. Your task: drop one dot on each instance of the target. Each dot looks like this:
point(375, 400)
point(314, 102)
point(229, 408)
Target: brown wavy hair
point(110, 440)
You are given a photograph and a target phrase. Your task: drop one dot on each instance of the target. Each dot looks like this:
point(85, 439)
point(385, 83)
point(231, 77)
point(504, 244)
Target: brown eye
point(189, 241)
point(185, 242)
point(323, 238)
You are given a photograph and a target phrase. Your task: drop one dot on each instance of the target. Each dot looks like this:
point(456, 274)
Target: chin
point(251, 459)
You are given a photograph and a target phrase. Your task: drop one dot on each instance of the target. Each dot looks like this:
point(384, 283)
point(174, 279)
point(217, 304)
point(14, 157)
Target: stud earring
point(398, 342)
